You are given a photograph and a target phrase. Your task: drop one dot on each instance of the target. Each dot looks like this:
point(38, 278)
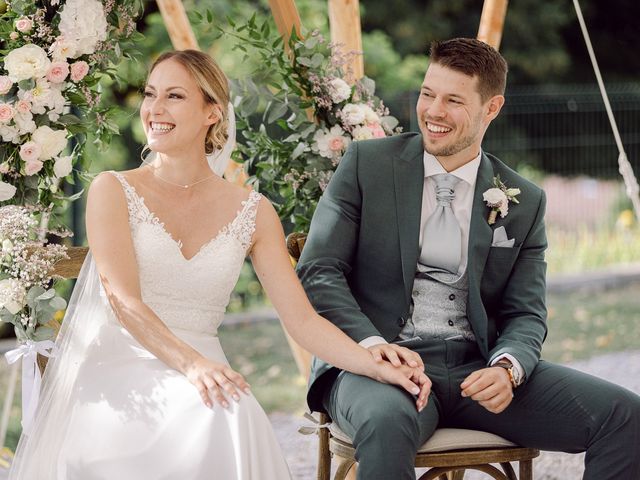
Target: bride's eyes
point(175, 96)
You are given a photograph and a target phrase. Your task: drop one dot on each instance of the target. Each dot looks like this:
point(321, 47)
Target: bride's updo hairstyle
point(213, 85)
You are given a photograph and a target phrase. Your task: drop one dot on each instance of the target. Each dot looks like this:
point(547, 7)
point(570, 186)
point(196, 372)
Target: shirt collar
point(467, 172)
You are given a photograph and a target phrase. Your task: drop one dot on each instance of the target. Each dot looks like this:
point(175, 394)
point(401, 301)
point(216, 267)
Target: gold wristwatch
point(514, 374)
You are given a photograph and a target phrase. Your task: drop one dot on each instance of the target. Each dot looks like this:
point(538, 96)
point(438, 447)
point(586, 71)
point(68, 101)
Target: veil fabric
point(37, 453)
point(88, 310)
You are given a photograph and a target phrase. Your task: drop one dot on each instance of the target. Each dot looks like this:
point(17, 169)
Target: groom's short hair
point(474, 58)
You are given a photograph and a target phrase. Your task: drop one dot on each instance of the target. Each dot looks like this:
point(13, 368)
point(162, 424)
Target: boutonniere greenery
point(498, 199)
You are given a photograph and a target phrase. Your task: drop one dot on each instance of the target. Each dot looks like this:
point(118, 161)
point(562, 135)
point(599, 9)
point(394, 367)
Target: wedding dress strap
point(244, 226)
point(138, 211)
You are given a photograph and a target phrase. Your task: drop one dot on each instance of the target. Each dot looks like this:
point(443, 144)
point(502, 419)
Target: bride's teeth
point(437, 129)
point(161, 127)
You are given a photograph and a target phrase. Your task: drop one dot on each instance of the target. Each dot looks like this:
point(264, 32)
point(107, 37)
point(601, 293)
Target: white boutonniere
point(498, 199)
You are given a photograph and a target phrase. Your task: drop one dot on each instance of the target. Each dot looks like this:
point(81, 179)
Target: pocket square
point(500, 239)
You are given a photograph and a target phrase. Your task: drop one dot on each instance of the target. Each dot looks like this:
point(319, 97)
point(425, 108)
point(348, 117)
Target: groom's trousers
point(558, 409)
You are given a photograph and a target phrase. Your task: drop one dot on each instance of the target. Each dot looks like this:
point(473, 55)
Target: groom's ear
point(493, 107)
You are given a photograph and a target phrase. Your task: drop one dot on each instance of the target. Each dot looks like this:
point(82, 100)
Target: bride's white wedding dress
point(130, 416)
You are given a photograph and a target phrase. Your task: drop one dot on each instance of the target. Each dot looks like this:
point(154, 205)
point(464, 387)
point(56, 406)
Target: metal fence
point(560, 136)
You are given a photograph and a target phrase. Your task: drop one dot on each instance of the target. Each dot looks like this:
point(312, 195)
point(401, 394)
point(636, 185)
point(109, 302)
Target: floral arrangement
point(498, 198)
point(26, 299)
point(310, 108)
point(53, 55)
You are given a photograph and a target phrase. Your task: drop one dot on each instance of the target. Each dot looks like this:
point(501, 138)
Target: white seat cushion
point(445, 439)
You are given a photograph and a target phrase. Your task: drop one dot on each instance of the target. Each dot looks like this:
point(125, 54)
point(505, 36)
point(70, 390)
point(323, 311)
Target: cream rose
point(7, 191)
point(58, 72)
point(353, 114)
point(51, 142)
point(6, 112)
point(79, 70)
point(24, 24)
point(494, 197)
point(28, 61)
point(5, 84)
point(339, 90)
point(62, 167)
point(30, 151)
point(84, 23)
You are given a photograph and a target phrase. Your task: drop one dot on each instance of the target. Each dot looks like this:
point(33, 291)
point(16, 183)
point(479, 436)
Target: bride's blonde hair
point(214, 86)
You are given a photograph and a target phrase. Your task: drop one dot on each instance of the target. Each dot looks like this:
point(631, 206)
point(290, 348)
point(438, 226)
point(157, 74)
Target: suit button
point(451, 323)
point(402, 321)
point(452, 297)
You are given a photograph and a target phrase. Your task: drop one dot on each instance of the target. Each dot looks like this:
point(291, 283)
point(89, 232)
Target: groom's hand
point(490, 387)
point(396, 355)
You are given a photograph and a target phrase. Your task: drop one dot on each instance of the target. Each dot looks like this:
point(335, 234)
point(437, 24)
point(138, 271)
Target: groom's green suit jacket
point(359, 262)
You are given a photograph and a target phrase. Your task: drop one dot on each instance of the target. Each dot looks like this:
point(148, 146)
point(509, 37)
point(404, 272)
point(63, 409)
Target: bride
point(141, 388)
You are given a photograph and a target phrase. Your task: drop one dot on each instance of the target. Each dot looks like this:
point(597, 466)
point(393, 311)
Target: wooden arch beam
point(344, 21)
point(492, 22)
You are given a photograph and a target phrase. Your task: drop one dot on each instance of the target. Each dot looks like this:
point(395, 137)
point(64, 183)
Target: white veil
point(37, 452)
point(38, 449)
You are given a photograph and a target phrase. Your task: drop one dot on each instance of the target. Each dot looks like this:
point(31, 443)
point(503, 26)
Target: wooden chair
point(447, 454)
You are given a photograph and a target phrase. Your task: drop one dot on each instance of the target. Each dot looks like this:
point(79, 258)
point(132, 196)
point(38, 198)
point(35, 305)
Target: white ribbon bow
point(31, 379)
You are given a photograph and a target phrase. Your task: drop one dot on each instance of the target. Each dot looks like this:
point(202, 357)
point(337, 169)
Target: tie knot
point(445, 184)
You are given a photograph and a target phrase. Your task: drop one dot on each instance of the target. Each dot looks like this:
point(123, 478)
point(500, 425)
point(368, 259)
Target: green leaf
point(277, 112)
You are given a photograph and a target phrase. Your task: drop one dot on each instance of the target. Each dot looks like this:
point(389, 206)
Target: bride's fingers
point(226, 385)
point(204, 394)
point(218, 396)
point(238, 380)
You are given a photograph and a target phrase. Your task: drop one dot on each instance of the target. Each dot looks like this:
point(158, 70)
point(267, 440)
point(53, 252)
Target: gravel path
point(300, 450)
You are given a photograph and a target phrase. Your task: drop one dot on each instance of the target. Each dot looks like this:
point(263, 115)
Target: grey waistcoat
point(438, 308)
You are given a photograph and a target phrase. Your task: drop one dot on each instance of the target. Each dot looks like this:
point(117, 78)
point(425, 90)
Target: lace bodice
point(188, 294)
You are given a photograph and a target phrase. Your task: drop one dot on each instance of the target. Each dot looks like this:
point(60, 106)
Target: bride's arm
point(314, 333)
point(110, 242)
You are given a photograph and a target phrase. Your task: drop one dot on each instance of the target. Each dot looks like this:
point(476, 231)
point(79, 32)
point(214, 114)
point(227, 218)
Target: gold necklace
point(182, 185)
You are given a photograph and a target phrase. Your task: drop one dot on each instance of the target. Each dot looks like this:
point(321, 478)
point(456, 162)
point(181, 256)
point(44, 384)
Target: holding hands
point(403, 367)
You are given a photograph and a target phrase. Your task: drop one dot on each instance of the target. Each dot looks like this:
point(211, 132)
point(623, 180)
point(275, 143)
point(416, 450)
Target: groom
point(426, 241)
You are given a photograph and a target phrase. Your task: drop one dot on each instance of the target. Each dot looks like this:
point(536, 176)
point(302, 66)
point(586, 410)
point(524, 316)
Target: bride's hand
point(213, 380)
point(412, 379)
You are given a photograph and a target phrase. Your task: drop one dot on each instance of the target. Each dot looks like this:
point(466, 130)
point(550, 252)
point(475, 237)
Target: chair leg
point(509, 471)
point(324, 455)
point(526, 470)
point(344, 467)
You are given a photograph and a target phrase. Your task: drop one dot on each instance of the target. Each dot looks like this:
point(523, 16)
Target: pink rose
point(32, 167)
point(30, 151)
point(5, 84)
point(58, 72)
point(376, 130)
point(23, 106)
point(336, 144)
point(6, 112)
point(24, 24)
point(79, 70)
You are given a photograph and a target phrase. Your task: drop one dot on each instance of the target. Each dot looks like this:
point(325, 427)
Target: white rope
point(624, 166)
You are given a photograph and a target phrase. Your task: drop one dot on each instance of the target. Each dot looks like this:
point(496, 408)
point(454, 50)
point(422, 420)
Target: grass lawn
point(581, 325)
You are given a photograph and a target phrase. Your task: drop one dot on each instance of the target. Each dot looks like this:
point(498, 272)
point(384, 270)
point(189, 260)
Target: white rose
point(353, 114)
point(83, 22)
point(12, 295)
point(28, 61)
point(62, 167)
point(9, 133)
point(494, 197)
point(62, 49)
point(369, 115)
point(7, 191)
point(52, 142)
point(339, 90)
point(362, 133)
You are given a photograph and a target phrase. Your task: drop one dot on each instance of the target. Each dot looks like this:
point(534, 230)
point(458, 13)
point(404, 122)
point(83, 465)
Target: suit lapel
point(408, 172)
point(480, 237)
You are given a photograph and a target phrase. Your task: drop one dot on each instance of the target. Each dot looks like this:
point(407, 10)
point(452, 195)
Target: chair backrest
point(70, 267)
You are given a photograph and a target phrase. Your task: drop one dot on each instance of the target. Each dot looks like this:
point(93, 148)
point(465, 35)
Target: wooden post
point(177, 23)
point(492, 22)
point(344, 20)
point(285, 13)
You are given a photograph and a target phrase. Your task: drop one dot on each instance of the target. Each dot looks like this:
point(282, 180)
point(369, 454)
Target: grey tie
point(442, 237)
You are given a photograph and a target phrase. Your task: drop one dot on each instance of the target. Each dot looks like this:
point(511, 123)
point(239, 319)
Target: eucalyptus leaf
point(44, 333)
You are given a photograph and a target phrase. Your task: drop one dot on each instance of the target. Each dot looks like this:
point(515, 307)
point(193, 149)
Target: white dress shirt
point(461, 205)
